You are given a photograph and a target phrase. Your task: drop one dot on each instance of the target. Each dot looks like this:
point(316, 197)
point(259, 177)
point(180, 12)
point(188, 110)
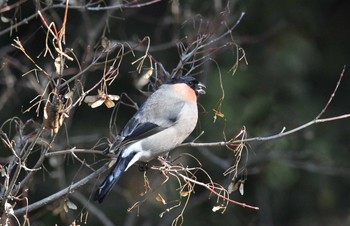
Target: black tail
point(112, 178)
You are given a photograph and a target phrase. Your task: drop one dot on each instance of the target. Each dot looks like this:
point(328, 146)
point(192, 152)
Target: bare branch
point(61, 193)
point(333, 93)
point(284, 132)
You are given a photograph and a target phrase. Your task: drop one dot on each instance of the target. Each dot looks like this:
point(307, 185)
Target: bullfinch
point(163, 122)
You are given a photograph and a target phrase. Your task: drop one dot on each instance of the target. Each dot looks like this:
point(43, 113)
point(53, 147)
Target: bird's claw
point(143, 166)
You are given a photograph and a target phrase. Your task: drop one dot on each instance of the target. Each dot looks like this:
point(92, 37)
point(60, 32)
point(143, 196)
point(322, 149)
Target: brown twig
point(61, 193)
point(83, 7)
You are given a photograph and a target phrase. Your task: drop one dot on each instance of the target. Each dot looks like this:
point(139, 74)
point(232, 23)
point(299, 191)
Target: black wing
point(156, 114)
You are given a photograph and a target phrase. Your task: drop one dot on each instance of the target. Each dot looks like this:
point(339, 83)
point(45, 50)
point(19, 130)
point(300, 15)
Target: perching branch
point(284, 132)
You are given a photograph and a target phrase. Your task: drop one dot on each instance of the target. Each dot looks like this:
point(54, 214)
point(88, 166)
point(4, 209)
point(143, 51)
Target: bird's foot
point(143, 166)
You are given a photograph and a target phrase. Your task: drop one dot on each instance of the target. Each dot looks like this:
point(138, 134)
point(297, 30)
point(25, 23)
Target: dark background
point(295, 50)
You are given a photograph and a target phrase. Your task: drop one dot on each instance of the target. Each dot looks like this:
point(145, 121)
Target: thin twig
point(284, 132)
point(272, 137)
point(333, 94)
point(83, 7)
point(61, 193)
point(211, 188)
point(74, 150)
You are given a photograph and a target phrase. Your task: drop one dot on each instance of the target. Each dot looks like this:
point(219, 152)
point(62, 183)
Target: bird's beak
point(200, 88)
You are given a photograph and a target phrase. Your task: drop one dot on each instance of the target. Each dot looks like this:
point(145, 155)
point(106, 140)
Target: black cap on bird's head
point(192, 82)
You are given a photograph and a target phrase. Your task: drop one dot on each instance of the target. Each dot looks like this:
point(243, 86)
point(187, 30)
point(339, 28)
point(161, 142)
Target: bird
point(164, 121)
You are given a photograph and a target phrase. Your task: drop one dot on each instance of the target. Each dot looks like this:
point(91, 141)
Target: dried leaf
point(148, 73)
point(109, 103)
point(97, 103)
point(160, 199)
point(236, 185)
point(71, 205)
point(97, 100)
point(53, 115)
point(218, 113)
point(9, 208)
point(46, 116)
point(113, 97)
point(5, 19)
point(184, 193)
point(90, 99)
point(112, 162)
point(58, 65)
point(68, 94)
point(65, 207)
point(3, 171)
point(216, 208)
point(241, 188)
point(232, 187)
point(106, 44)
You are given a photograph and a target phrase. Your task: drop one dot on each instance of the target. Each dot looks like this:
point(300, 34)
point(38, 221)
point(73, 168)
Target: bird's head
point(192, 82)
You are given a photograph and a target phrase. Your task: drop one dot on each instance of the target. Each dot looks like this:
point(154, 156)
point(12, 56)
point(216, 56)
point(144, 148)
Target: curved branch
point(61, 193)
point(83, 7)
point(272, 137)
point(283, 132)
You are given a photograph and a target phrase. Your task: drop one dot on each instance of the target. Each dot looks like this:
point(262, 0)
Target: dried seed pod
point(101, 98)
point(53, 115)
